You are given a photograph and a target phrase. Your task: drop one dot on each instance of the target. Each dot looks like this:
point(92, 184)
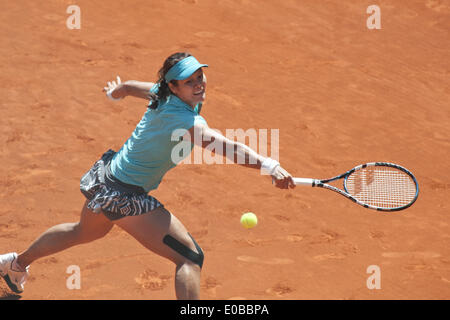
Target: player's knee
point(85, 235)
point(191, 256)
point(187, 268)
point(79, 233)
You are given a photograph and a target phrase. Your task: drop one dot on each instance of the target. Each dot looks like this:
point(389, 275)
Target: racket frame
point(324, 184)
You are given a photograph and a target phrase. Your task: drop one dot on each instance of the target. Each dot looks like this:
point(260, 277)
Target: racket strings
point(383, 187)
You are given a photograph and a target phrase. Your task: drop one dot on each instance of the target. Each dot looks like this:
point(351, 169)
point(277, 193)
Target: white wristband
point(268, 166)
point(108, 94)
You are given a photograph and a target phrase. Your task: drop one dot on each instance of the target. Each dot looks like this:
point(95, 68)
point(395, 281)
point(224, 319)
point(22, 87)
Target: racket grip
point(304, 181)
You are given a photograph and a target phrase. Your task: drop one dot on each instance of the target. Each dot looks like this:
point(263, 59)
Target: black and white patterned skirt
point(111, 196)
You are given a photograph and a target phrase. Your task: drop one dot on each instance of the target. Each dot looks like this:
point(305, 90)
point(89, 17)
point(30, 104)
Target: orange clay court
point(339, 93)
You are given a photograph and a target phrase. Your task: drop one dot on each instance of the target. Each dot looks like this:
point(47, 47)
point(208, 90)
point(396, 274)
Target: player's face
point(191, 90)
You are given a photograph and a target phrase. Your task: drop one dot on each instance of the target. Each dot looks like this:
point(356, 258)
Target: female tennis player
point(117, 185)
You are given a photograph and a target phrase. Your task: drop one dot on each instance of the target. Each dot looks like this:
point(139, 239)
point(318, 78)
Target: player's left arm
point(116, 90)
point(138, 89)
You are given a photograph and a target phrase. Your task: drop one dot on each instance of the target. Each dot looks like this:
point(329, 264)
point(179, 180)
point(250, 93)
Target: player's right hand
point(282, 179)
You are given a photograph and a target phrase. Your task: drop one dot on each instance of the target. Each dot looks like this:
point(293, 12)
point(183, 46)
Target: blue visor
point(183, 69)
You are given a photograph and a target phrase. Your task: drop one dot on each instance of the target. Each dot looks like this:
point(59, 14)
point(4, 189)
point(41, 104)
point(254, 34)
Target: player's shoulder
point(200, 121)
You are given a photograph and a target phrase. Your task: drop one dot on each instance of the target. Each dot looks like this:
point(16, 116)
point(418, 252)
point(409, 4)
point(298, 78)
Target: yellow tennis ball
point(249, 220)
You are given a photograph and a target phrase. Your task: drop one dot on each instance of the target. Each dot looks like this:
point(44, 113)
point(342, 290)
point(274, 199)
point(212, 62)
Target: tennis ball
point(249, 220)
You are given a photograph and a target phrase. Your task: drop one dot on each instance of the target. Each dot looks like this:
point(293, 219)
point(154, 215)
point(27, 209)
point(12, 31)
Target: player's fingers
point(291, 182)
point(287, 178)
point(282, 179)
point(286, 183)
point(278, 183)
point(118, 80)
point(282, 183)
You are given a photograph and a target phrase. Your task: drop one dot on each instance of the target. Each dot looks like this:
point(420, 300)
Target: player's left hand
point(113, 87)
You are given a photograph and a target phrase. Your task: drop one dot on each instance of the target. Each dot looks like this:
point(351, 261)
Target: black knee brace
point(176, 245)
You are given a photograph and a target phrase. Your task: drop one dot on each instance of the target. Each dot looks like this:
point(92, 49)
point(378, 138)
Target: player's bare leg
point(150, 229)
point(91, 226)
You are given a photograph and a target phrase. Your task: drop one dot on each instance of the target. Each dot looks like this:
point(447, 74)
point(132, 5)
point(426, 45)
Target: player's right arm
point(203, 136)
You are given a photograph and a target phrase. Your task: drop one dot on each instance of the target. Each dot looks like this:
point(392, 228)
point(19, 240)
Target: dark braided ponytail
point(164, 91)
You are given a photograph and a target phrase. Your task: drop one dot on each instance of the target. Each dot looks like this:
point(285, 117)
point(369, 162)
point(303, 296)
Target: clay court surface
point(339, 93)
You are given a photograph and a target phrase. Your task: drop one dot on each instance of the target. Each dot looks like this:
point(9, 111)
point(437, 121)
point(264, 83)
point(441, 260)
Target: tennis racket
point(377, 185)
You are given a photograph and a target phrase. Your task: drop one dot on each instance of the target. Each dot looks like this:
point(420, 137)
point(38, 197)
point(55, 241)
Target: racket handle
point(304, 181)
